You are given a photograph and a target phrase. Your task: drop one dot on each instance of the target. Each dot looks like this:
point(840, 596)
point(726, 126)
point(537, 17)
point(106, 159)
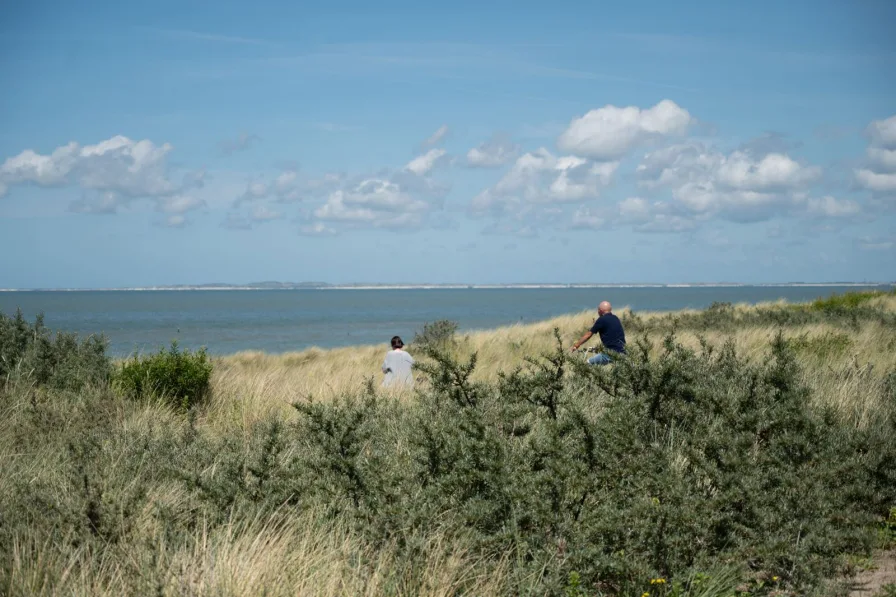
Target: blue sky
point(195, 142)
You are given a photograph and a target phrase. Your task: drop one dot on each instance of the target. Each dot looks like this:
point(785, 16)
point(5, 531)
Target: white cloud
point(284, 189)
point(111, 174)
point(97, 203)
point(879, 176)
point(375, 202)
point(738, 186)
point(610, 132)
point(774, 171)
point(495, 152)
point(42, 170)
point(829, 207)
point(663, 222)
point(317, 229)
point(175, 221)
point(876, 182)
point(584, 219)
point(634, 209)
point(179, 204)
point(437, 136)
point(423, 164)
point(884, 160)
point(883, 132)
point(539, 177)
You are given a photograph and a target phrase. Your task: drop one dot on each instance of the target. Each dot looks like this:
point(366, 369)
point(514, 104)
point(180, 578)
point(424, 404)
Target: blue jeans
point(601, 358)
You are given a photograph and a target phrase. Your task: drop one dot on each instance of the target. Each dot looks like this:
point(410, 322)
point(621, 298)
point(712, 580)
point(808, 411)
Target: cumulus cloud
point(540, 177)
point(636, 212)
point(96, 203)
point(775, 171)
point(883, 132)
point(584, 219)
point(495, 152)
point(423, 164)
point(437, 136)
point(610, 132)
point(180, 204)
point(317, 229)
point(739, 186)
point(879, 174)
point(405, 200)
point(175, 221)
point(876, 182)
point(285, 188)
point(830, 207)
point(111, 173)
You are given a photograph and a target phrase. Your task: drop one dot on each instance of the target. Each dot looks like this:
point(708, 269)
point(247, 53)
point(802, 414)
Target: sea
point(276, 321)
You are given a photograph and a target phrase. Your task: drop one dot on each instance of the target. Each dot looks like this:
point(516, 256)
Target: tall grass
point(739, 449)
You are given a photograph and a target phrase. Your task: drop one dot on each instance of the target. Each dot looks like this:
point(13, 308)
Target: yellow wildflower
point(657, 581)
point(775, 578)
point(645, 594)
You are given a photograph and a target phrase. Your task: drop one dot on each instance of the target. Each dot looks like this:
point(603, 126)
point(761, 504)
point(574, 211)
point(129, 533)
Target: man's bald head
point(604, 307)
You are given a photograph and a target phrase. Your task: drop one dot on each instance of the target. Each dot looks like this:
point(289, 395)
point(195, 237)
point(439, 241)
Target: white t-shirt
point(397, 368)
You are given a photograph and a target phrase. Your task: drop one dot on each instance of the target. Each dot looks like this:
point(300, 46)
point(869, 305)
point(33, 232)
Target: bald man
point(612, 336)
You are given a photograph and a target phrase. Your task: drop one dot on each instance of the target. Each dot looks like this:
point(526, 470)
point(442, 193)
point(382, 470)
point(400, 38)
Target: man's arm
point(582, 340)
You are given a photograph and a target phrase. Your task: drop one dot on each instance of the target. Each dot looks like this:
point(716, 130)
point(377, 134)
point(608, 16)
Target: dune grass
point(840, 361)
point(741, 450)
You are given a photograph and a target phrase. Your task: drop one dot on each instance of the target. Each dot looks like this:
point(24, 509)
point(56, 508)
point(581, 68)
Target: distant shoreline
point(275, 286)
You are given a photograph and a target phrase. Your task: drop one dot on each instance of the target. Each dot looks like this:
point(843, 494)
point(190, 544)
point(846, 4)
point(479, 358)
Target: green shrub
point(30, 353)
point(438, 334)
point(179, 376)
point(845, 301)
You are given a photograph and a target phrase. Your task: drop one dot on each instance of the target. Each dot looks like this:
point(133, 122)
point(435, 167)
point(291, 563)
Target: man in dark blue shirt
point(612, 336)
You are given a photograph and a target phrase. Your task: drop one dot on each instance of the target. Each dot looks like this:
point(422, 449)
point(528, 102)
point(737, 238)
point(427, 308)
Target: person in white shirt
point(397, 365)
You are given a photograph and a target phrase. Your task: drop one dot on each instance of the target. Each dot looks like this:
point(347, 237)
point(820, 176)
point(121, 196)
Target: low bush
point(436, 334)
point(178, 376)
point(844, 301)
point(31, 353)
point(673, 472)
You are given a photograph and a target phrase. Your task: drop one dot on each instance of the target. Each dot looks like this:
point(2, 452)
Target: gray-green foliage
point(31, 354)
point(694, 466)
point(437, 334)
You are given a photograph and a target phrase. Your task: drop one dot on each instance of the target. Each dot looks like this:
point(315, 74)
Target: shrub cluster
point(438, 334)
point(178, 376)
point(682, 472)
point(30, 353)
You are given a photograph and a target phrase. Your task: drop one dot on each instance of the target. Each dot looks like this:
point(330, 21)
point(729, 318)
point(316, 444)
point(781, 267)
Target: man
point(611, 335)
point(397, 365)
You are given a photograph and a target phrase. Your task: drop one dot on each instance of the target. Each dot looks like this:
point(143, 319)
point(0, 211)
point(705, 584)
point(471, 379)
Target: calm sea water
point(286, 320)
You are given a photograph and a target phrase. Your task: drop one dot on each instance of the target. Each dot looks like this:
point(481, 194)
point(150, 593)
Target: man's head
point(396, 342)
point(604, 308)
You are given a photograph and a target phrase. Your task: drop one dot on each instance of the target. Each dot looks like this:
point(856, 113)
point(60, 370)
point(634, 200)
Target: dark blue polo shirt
point(611, 334)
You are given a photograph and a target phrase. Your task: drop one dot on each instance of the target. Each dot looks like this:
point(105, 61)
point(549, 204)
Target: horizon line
point(434, 286)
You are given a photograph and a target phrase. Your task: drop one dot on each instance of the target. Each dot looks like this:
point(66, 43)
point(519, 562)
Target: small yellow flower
point(657, 581)
point(645, 594)
point(775, 579)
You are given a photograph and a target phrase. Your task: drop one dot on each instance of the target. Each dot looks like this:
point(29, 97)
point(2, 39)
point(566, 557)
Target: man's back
point(611, 333)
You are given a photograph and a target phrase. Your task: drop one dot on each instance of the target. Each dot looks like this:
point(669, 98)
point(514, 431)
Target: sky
point(196, 142)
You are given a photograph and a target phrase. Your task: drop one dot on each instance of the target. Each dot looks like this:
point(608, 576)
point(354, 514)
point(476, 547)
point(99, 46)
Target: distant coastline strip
point(214, 287)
